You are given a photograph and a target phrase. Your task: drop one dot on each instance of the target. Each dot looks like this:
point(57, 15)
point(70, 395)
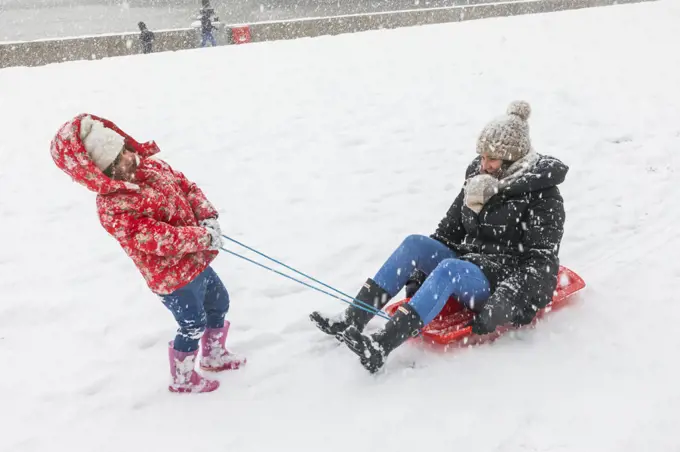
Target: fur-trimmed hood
point(70, 155)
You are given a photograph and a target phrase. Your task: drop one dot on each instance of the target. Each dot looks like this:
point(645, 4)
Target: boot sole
point(233, 366)
point(323, 325)
point(191, 390)
point(360, 351)
point(352, 342)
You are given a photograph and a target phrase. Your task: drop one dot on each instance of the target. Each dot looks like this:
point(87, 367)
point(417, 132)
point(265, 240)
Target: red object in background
point(240, 35)
point(448, 328)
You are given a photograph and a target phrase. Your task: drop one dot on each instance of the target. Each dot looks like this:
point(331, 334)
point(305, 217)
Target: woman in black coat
point(496, 250)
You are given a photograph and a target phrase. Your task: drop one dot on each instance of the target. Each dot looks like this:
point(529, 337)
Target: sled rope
point(348, 299)
point(311, 278)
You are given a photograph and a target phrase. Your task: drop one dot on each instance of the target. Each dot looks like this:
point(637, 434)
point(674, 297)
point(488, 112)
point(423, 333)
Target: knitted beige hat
point(507, 137)
point(101, 143)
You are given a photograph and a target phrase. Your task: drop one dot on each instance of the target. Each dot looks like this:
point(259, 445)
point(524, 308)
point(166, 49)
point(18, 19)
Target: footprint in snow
point(149, 341)
point(262, 340)
point(96, 387)
point(282, 291)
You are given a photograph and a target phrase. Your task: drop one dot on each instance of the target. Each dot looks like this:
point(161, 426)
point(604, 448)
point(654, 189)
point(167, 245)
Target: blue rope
point(367, 308)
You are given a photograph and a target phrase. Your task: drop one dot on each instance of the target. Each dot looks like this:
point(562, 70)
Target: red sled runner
point(448, 328)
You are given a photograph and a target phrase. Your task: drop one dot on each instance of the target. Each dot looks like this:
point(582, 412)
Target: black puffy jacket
point(515, 240)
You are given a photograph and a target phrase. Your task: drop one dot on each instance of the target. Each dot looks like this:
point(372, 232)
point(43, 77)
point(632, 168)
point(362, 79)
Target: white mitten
point(212, 223)
point(215, 239)
point(479, 190)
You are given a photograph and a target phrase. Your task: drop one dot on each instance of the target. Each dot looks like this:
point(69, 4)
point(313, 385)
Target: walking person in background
point(146, 37)
point(206, 14)
point(206, 8)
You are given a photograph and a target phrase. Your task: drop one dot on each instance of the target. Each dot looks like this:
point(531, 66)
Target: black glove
point(481, 325)
point(496, 313)
point(490, 317)
point(524, 316)
point(415, 280)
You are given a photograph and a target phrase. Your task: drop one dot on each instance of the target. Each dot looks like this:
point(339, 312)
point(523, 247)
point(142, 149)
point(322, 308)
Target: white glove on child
point(212, 223)
point(213, 227)
point(215, 239)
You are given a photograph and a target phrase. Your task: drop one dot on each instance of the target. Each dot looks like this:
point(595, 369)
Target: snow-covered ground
point(325, 153)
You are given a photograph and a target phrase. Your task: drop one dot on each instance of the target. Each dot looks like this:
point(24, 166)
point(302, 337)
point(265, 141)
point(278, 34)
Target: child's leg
point(455, 277)
point(214, 354)
point(216, 301)
point(186, 305)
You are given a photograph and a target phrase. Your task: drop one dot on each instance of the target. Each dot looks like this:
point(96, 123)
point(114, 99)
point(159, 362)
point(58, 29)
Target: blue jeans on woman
point(201, 304)
point(447, 276)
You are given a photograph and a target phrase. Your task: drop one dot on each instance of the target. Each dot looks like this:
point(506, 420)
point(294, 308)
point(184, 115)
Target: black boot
point(415, 280)
point(371, 294)
point(373, 350)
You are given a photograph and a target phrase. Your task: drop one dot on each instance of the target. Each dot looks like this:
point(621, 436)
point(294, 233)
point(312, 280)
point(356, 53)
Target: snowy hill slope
point(326, 153)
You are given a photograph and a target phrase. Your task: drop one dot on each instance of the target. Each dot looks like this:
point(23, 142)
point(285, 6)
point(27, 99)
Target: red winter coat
point(156, 219)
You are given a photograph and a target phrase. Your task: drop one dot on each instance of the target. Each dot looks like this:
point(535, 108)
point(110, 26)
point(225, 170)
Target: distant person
point(207, 28)
point(205, 6)
point(206, 14)
point(146, 37)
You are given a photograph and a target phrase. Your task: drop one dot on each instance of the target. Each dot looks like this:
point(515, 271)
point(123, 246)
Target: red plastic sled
point(448, 328)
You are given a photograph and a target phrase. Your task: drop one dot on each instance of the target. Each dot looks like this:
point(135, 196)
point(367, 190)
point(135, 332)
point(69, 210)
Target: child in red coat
point(170, 230)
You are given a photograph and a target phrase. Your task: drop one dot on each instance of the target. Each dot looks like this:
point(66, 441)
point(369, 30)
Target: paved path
point(22, 20)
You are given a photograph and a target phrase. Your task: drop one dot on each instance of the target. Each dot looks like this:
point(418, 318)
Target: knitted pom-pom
point(520, 108)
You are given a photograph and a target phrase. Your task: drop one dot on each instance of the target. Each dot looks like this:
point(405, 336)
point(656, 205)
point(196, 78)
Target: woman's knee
point(414, 240)
point(456, 266)
point(469, 284)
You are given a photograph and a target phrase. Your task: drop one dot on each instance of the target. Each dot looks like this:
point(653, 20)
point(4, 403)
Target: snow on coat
point(155, 220)
point(515, 238)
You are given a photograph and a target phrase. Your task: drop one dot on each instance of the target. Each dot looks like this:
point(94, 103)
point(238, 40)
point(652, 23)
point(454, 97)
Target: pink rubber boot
point(184, 377)
point(215, 357)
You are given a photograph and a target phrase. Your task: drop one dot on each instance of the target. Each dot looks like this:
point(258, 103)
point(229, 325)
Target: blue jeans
point(201, 304)
point(446, 276)
point(208, 36)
